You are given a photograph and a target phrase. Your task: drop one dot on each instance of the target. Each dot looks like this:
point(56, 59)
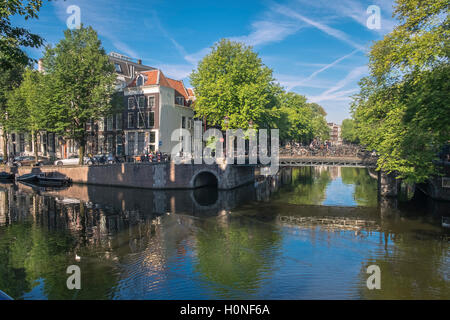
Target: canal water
point(309, 233)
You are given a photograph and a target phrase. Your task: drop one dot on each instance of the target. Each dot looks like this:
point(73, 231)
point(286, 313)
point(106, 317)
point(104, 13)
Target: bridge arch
point(205, 178)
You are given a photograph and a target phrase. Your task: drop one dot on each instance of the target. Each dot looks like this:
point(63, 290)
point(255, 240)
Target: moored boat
point(28, 177)
point(52, 179)
point(6, 175)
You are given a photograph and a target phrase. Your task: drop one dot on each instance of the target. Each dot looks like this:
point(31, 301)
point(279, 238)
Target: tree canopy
point(349, 133)
point(29, 104)
point(12, 38)
point(233, 82)
point(402, 109)
point(299, 120)
point(81, 82)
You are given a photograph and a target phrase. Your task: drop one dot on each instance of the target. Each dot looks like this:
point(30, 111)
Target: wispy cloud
point(176, 71)
point(356, 10)
point(335, 92)
point(265, 32)
point(290, 82)
point(328, 30)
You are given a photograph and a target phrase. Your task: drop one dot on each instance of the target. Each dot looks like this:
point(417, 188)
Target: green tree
point(10, 79)
point(349, 133)
point(28, 105)
point(402, 108)
point(232, 81)
point(299, 120)
point(82, 83)
point(13, 38)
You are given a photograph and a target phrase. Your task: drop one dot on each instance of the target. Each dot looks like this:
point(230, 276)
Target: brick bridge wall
point(152, 175)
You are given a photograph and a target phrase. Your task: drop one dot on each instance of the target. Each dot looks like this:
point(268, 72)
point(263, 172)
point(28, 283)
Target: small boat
point(28, 177)
point(52, 179)
point(6, 175)
point(446, 222)
point(4, 296)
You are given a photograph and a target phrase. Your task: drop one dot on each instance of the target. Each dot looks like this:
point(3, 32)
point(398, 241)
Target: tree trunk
point(81, 151)
point(5, 146)
point(35, 145)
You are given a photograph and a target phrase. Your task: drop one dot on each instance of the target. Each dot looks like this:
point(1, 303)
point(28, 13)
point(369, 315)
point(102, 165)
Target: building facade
point(155, 106)
point(335, 134)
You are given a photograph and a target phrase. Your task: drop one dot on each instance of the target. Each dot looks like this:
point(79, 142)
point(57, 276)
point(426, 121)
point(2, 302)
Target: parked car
point(27, 161)
point(72, 160)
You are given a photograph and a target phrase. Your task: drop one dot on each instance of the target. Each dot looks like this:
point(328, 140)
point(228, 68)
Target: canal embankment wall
point(166, 175)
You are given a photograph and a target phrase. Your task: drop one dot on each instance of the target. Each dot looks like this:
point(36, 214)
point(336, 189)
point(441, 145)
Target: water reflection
point(278, 238)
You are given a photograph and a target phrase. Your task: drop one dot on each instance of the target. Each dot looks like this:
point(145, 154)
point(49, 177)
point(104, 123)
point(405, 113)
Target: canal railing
point(296, 161)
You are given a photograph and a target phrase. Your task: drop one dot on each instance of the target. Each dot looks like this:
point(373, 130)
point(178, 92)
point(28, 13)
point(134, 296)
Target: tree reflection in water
point(218, 244)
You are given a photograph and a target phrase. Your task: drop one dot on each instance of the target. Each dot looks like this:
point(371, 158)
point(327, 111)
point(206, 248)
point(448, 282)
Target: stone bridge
point(165, 175)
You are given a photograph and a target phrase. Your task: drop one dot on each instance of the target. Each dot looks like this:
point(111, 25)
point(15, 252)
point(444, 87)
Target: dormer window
point(140, 81)
point(180, 101)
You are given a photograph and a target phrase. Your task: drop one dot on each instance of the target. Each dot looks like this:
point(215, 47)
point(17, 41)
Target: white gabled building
point(154, 107)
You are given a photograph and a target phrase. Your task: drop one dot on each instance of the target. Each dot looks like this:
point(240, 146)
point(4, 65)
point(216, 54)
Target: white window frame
point(109, 122)
point(130, 116)
point(132, 103)
point(148, 119)
point(151, 98)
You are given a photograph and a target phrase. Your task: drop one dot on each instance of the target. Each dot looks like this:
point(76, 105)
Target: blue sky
point(317, 48)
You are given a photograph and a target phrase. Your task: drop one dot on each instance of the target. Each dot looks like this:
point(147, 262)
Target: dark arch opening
point(205, 179)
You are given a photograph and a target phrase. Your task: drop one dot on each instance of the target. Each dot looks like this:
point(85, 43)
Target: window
point(152, 137)
point(109, 123)
point(141, 142)
point(119, 121)
point(141, 119)
point(180, 101)
point(118, 67)
point(89, 125)
point(109, 143)
point(183, 122)
point(131, 103)
point(21, 142)
point(130, 120)
point(130, 142)
point(118, 144)
point(139, 80)
point(151, 102)
point(152, 141)
point(151, 119)
point(190, 124)
point(141, 101)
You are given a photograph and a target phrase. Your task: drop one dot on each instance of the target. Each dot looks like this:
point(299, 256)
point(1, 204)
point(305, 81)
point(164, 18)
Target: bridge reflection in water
point(277, 238)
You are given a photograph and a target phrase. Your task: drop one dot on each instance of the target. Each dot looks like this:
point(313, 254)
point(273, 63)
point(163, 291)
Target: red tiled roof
point(179, 87)
point(157, 77)
point(152, 78)
point(163, 80)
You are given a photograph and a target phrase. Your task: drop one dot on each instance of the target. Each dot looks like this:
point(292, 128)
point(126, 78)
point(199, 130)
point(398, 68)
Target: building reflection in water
point(201, 243)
